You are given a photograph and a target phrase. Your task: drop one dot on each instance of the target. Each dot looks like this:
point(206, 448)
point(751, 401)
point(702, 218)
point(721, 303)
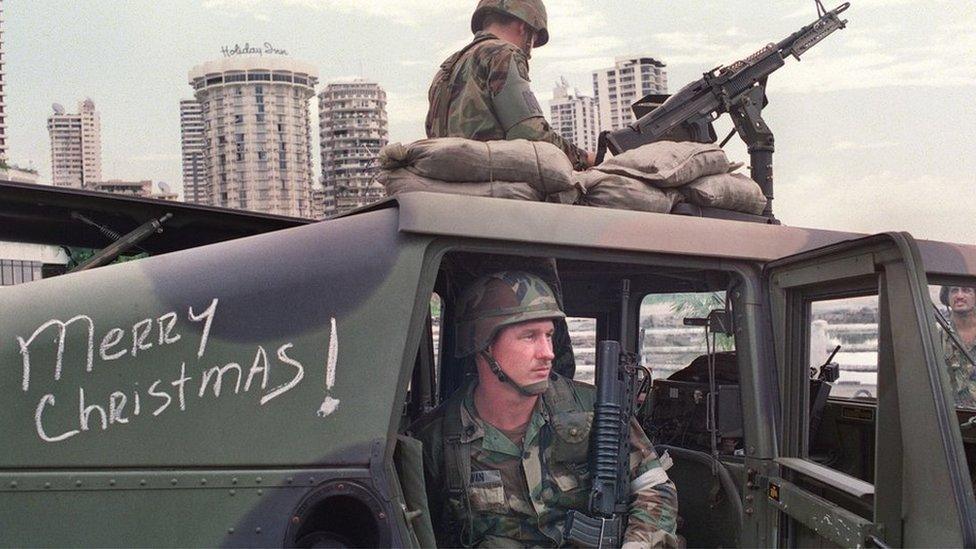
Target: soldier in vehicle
point(482, 92)
point(505, 457)
point(961, 302)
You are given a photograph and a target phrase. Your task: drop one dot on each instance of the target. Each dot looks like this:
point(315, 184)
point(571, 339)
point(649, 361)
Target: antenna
point(164, 187)
point(58, 108)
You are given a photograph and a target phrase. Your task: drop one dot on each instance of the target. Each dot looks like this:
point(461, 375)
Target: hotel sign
point(247, 49)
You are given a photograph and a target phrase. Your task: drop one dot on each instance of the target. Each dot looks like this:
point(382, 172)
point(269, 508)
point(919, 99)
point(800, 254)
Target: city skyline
point(879, 109)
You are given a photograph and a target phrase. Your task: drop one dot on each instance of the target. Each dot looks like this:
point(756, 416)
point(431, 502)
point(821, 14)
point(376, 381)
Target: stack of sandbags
point(657, 176)
point(518, 169)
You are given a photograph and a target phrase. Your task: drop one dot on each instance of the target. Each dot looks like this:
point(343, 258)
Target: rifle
point(738, 89)
point(605, 521)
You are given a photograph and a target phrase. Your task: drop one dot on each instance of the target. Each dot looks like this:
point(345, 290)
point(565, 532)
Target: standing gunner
point(505, 457)
point(482, 92)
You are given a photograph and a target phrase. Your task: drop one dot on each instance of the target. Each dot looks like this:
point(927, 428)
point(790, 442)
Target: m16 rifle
point(738, 89)
point(609, 460)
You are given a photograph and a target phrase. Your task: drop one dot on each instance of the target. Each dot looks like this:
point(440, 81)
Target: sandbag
point(728, 191)
point(623, 193)
point(540, 164)
point(403, 180)
point(668, 163)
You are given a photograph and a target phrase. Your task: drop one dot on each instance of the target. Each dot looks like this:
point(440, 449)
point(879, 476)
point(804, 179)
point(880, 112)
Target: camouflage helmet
point(498, 300)
point(532, 12)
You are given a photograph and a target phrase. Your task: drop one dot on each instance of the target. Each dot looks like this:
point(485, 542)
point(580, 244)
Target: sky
point(874, 127)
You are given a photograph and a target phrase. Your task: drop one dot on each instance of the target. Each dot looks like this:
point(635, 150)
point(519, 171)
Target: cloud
point(155, 157)
point(405, 12)
point(926, 205)
point(854, 146)
point(406, 107)
point(709, 49)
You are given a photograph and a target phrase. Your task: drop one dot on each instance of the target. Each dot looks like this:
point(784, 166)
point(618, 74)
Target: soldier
point(482, 92)
point(505, 457)
point(961, 302)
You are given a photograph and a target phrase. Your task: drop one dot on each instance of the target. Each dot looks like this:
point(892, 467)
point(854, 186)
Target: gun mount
point(738, 89)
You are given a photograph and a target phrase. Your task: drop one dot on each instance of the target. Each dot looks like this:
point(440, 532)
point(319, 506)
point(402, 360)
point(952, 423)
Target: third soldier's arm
point(653, 512)
point(518, 109)
point(537, 129)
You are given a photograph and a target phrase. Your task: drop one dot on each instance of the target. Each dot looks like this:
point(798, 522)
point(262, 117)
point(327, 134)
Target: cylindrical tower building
point(257, 132)
point(352, 130)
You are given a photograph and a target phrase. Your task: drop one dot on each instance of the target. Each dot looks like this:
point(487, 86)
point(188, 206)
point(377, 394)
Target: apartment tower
point(618, 87)
point(574, 116)
point(195, 188)
point(257, 150)
point(76, 146)
point(352, 130)
point(3, 96)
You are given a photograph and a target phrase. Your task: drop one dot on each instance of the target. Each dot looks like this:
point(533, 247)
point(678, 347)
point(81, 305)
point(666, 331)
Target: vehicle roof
point(42, 214)
point(625, 230)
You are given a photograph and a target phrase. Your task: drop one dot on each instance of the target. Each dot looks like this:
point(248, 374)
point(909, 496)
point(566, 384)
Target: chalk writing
point(330, 404)
point(100, 412)
point(140, 331)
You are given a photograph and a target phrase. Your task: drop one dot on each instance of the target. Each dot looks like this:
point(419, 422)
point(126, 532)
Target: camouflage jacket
point(482, 92)
point(519, 496)
point(962, 374)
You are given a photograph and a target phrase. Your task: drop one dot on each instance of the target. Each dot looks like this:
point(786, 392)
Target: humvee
point(255, 392)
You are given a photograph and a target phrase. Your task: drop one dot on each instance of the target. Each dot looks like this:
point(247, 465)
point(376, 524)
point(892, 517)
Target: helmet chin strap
point(531, 389)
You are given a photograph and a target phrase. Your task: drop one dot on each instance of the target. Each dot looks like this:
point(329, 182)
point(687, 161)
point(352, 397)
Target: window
point(849, 326)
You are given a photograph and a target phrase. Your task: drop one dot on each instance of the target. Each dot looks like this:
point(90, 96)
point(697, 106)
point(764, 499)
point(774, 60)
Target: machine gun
point(738, 89)
point(604, 523)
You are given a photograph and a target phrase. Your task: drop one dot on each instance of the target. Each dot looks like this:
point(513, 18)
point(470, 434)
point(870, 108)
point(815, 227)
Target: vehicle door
point(908, 484)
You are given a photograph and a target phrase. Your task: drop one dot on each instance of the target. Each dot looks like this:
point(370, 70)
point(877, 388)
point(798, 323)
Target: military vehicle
point(255, 391)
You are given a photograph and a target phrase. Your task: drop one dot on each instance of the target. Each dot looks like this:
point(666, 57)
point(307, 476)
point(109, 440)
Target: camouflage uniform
point(519, 495)
point(482, 92)
point(962, 374)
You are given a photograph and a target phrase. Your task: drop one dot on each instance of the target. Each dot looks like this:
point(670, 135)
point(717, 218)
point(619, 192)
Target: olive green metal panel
point(821, 516)
point(273, 350)
point(204, 508)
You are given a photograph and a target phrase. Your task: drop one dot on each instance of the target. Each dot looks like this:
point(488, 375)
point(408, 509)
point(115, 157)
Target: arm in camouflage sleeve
point(537, 129)
point(517, 108)
point(653, 515)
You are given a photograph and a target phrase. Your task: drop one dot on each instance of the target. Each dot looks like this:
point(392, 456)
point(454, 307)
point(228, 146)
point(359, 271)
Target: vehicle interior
point(660, 310)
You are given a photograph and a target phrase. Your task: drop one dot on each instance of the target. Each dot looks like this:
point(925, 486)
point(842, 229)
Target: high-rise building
point(191, 137)
point(574, 116)
point(352, 130)
point(3, 95)
point(76, 146)
point(620, 86)
point(257, 147)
